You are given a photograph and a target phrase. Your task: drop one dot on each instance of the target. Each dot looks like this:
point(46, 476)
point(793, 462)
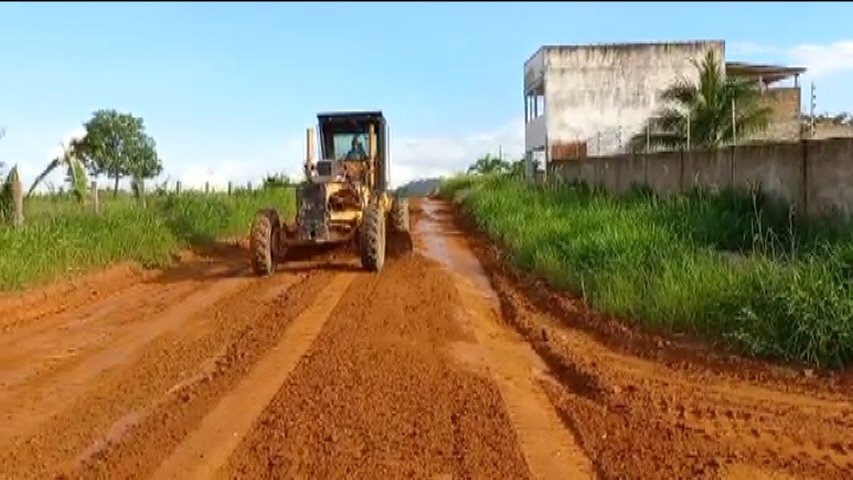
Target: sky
point(228, 90)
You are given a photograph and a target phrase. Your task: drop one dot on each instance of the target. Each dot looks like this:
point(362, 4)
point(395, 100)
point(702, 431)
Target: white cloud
point(411, 158)
point(750, 48)
point(819, 60)
point(823, 60)
point(414, 158)
point(194, 173)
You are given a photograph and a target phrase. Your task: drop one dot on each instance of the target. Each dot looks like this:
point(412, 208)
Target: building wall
point(604, 94)
point(784, 122)
point(816, 176)
point(833, 131)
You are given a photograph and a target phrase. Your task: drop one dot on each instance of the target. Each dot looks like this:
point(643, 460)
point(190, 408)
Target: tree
point(276, 181)
point(117, 146)
point(489, 164)
point(706, 107)
point(2, 165)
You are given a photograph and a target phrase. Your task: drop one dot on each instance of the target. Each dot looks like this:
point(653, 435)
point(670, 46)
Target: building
point(590, 100)
point(781, 89)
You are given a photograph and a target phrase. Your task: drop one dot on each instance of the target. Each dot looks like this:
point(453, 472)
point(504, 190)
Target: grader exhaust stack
point(345, 196)
point(309, 155)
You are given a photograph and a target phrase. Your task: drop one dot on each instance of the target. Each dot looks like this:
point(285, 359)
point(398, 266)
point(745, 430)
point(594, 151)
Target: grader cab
point(344, 197)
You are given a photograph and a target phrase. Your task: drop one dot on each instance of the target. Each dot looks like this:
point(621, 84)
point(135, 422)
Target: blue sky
point(227, 90)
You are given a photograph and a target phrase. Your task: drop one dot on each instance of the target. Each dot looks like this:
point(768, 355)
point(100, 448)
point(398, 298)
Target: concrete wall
point(833, 131)
point(815, 175)
point(603, 94)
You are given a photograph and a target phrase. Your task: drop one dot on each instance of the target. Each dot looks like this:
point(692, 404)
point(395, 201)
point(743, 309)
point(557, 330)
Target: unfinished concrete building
point(590, 100)
point(780, 87)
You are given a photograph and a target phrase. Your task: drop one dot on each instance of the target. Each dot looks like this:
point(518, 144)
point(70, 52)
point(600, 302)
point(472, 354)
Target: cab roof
point(351, 116)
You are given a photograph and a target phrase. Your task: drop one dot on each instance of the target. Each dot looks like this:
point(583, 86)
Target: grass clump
point(61, 237)
point(734, 267)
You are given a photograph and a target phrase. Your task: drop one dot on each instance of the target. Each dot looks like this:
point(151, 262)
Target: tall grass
point(733, 267)
point(61, 237)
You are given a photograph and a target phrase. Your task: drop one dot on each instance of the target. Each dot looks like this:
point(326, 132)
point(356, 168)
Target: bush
point(63, 237)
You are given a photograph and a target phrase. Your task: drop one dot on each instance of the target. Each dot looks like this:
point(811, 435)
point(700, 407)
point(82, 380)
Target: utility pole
point(812, 112)
point(734, 123)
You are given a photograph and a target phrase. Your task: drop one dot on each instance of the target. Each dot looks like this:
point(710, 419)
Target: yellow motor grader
point(344, 196)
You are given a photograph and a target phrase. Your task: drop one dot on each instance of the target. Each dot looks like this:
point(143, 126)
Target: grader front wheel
point(263, 241)
point(372, 238)
point(400, 215)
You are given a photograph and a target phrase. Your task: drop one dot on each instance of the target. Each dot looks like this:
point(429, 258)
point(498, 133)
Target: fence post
point(95, 200)
point(18, 200)
point(249, 185)
point(178, 187)
point(206, 187)
point(229, 188)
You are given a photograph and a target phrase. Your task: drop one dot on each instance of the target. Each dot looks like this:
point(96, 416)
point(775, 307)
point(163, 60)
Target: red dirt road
point(435, 368)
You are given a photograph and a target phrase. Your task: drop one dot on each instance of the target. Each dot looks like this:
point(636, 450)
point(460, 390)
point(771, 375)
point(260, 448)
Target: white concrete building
point(594, 98)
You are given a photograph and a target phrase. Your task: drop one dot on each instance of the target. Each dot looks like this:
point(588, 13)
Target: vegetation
point(61, 237)
point(488, 165)
point(277, 181)
point(117, 146)
point(733, 267)
point(7, 195)
point(706, 108)
point(76, 173)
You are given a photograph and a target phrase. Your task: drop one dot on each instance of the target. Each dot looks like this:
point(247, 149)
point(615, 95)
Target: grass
point(733, 267)
point(61, 236)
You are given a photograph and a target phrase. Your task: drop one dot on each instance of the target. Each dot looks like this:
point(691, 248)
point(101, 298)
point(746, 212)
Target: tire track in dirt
point(32, 403)
point(208, 447)
point(550, 449)
point(378, 395)
point(682, 417)
point(18, 308)
point(203, 340)
point(203, 366)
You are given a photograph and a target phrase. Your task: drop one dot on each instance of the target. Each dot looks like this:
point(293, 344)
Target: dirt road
point(445, 365)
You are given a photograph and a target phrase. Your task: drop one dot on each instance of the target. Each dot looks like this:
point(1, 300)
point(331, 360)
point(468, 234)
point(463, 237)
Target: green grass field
point(731, 267)
point(62, 237)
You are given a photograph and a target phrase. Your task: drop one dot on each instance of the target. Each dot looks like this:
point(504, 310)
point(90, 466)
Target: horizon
point(448, 77)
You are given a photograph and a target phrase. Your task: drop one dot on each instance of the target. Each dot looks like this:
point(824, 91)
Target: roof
point(626, 45)
point(768, 73)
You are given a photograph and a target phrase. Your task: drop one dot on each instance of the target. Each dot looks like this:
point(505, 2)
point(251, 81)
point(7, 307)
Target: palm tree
point(707, 108)
point(76, 172)
point(489, 164)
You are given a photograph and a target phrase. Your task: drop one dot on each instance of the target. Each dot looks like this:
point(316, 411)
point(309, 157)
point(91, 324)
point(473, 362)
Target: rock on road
point(436, 368)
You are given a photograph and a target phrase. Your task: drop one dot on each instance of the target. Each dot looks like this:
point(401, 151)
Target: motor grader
point(344, 197)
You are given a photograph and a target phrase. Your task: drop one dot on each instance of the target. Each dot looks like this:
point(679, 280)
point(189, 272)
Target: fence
point(19, 198)
point(815, 176)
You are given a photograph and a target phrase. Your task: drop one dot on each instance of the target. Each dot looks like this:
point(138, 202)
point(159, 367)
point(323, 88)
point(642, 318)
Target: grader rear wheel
point(263, 241)
point(372, 238)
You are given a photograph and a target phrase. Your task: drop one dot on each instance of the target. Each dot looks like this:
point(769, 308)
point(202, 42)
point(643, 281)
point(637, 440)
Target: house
point(589, 100)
